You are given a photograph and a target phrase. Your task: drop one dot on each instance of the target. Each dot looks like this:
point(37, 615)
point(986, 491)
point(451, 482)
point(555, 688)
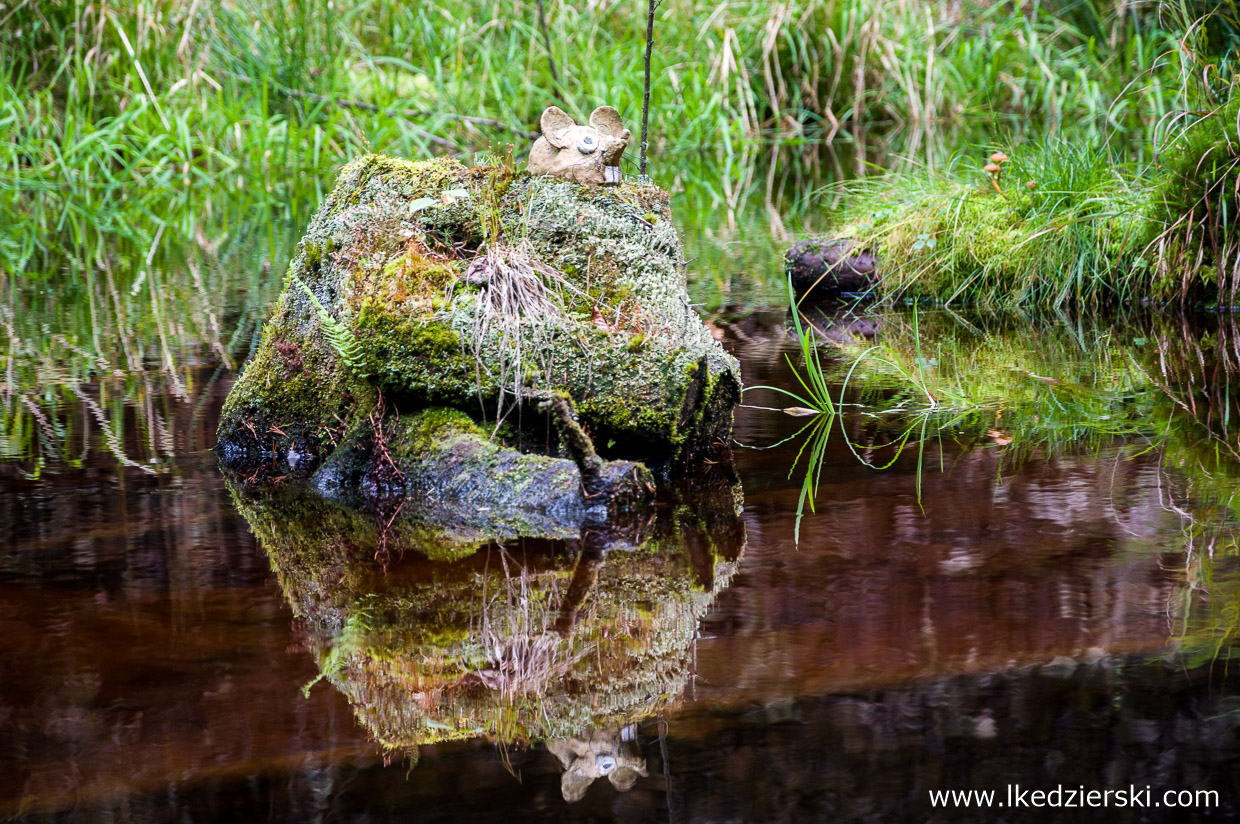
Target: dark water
point(1040, 593)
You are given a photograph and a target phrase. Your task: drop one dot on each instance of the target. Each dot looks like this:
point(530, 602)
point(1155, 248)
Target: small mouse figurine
point(583, 154)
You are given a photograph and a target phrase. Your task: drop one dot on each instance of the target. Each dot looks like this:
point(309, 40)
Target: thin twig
point(555, 76)
point(654, 4)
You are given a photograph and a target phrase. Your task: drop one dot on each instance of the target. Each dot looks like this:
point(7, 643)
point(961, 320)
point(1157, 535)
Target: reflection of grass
point(109, 339)
point(1160, 387)
point(1045, 390)
point(1024, 393)
point(523, 653)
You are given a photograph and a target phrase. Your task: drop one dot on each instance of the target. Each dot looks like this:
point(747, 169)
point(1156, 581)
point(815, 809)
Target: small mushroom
point(999, 157)
point(994, 169)
point(1031, 185)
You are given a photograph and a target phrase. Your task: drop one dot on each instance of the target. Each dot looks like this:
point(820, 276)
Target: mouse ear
point(555, 124)
point(607, 120)
point(573, 785)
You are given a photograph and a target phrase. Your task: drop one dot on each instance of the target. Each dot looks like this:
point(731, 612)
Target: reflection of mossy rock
point(401, 286)
point(528, 642)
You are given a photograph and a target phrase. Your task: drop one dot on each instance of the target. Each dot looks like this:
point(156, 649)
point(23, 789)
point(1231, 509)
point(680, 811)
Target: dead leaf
point(596, 317)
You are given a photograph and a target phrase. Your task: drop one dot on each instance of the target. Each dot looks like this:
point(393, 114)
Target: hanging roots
point(520, 308)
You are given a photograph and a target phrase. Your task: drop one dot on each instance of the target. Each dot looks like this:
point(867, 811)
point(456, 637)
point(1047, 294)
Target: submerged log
point(829, 267)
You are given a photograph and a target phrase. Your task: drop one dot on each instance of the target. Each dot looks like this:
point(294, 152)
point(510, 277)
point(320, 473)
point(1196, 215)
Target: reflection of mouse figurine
point(583, 154)
point(594, 755)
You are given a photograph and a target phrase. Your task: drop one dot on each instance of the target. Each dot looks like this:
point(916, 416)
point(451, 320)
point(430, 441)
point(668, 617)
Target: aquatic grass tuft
point(815, 401)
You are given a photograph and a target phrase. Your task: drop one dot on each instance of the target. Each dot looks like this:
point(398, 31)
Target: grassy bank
point(1074, 221)
point(1064, 224)
point(151, 113)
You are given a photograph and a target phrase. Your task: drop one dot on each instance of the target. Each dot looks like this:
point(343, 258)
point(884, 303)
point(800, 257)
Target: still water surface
point(1002, 604)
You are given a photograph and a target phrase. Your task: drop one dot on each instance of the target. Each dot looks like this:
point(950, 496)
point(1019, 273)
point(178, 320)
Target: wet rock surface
point(829, 267)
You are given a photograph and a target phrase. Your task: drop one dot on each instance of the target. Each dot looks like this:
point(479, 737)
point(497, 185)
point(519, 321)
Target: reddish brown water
point(1000, 622)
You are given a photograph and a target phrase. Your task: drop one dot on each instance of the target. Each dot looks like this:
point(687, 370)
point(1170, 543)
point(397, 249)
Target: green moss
point(421, 358)
point(279, 402)
point(374, 176)
point(624, 346)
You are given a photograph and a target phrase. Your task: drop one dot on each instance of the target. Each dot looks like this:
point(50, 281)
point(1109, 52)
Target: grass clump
point(1193, 207)
point(1066, 224)
point(1075, 222)
point(1059, 225)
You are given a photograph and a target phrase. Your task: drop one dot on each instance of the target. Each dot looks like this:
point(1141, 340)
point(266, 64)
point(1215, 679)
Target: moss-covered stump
point(423, 284)
point(529, 641)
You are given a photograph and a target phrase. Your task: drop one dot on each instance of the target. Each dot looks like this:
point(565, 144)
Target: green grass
point(152, 113)
point(966, 236)
point(1075, 220)
point(1064, 224)
point(114, 337)
point(814, 399)
point(1192, 206)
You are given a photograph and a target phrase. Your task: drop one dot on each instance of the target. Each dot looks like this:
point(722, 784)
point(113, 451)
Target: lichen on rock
point(430, 285)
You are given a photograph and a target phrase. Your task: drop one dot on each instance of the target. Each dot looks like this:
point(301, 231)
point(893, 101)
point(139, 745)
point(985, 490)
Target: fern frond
point(346, 346)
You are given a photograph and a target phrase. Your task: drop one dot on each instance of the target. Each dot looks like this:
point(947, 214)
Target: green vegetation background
point(121, 118)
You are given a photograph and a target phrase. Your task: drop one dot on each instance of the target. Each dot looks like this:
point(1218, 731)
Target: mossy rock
point(393, 296)
point(463, 482)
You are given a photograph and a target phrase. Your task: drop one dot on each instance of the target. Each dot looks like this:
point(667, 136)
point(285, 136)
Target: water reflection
point(1103, 456)
point(126, 341)
point(975, 615)
point(529, 641)
point(1018, 598)
point(595, 754)
point(872, 753)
